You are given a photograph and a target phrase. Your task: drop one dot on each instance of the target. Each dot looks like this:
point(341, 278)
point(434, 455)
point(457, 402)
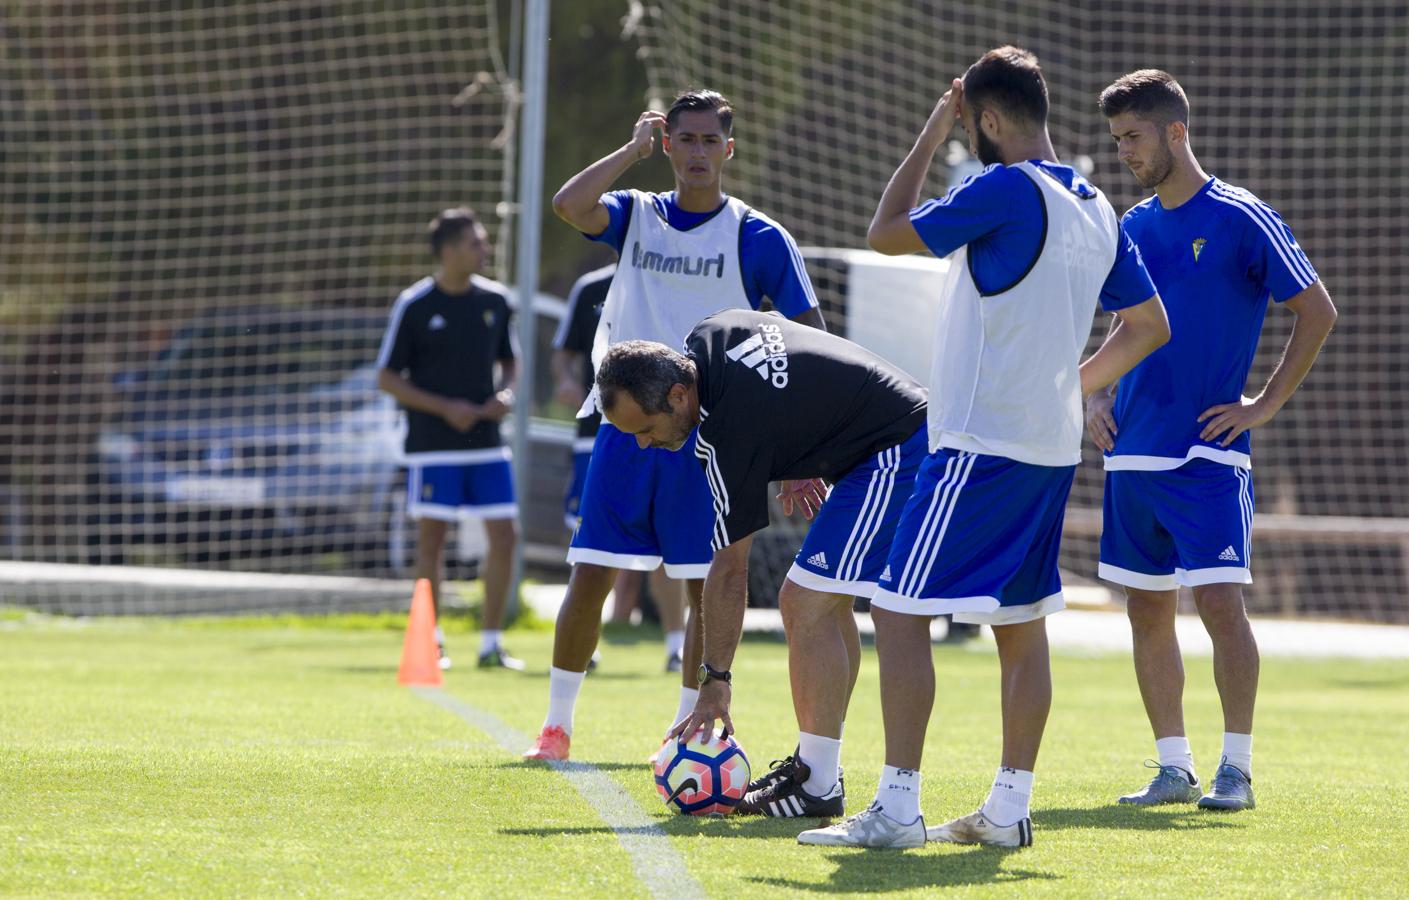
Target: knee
point(501, 534)
point(1150, 613)
point(1221, 605)
point(803, 609)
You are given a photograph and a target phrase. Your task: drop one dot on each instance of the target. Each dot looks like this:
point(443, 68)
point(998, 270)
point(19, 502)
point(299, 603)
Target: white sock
point(674, 643)
point(489, 640)
point(1175, 751)
point(899, 794)
point(1010, 799)
point(1237, 751)
point(562, 697)
point(823, 758)
point(688, 697)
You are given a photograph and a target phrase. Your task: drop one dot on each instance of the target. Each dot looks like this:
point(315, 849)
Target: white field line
point(658, 866)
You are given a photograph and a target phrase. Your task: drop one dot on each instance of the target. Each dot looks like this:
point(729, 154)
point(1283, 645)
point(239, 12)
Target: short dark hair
point(644, 369)
point(1009, 79)
point(448, 225)
point(1148, 93)
point(702, 101)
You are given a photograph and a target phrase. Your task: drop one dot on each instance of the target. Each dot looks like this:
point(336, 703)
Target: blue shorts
point(979, 539)
point(1186, 526)
point(644, 507)
point(450, 491)
point(849, 541)
point(572, 500)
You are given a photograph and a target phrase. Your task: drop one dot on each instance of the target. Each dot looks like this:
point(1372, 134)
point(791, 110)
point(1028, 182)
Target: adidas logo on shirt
point(766, 354)
point(1229, 554)
point(818, 559)
point(436, 323)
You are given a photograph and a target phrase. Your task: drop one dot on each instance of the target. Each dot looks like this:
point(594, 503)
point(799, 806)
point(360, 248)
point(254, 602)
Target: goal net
point(205, 213)
point(1300, 101)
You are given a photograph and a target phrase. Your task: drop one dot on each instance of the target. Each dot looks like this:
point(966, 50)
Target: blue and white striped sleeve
point(1274, 258)
point(773, 267)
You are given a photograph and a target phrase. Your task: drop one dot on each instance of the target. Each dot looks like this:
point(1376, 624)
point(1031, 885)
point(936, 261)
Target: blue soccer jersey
point(1216, 260)
point(769, 260)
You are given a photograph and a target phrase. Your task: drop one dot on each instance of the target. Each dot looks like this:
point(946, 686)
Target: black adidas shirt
point(578, 329)
point(781, 401)
point(447, 344)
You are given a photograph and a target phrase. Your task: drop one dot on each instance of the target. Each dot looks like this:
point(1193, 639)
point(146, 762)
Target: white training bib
point(1004, 379)
point(668, 279)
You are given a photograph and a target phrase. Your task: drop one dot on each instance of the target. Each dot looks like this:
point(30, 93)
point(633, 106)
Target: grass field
point(280, 758)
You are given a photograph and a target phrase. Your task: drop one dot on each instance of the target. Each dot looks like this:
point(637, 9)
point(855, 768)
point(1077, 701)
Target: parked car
point(258, 435)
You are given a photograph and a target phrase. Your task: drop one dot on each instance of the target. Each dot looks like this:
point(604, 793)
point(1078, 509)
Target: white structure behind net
point(1301, 101)
point(206, 211)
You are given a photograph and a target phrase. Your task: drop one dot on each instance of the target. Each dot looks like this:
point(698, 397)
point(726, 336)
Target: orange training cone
point(420, 659)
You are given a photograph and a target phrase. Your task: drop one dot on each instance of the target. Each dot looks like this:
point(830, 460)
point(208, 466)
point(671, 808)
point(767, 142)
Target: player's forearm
point(1143, 329)
point(811, 317)
point(723, 604)
point(901, 195)
point(1303, 347)
point(508, 374)
point(577, 199)
point(410, 396)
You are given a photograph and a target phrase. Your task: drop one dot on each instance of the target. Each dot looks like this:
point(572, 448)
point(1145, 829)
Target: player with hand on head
point(683, 255)
point(777, 401)
point(1176, 433)
point(446, 334)
point(1034, 247)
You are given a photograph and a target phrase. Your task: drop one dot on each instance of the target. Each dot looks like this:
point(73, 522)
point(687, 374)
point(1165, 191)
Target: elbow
point(878, 240)
point(562, 208)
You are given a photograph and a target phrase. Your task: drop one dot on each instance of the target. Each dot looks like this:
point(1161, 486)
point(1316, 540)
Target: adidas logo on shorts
point(885, 576)
point(818, 559)
point(1229, 554)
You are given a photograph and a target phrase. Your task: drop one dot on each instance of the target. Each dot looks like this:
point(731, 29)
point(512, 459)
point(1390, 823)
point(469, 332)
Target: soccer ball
point(706, 777)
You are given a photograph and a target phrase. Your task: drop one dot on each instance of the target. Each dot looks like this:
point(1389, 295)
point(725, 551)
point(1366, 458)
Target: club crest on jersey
point(766, 354)
point(489, 318)
point(1198, 245)
point(436, 323)
point(652, 261)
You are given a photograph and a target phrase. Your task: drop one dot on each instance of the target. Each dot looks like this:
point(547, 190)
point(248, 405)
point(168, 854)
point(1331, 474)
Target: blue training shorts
point(483, 486)
point(1187, 526)
point(644, 507)
point(849, 541)
point(979, 539)
point(572, 500)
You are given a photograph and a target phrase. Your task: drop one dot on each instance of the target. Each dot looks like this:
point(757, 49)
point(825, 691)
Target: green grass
point(262, 759)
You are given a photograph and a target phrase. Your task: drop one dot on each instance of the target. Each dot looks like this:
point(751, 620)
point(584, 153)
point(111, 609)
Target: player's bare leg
point(1159, 667)
point(907, 684)
point(694, 637)
point(626, 593)
point(580, 617)
point(430, 555)
point(671, 602)
point(821, 665)
point(1159, 671)
point(1235, 671)
point(501, 535)
point(1027, 690)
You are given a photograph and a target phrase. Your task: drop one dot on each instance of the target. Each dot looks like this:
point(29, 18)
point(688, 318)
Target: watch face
point(702, 674)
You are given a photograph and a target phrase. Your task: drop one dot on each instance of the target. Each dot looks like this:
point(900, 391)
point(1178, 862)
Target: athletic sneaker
point(783, 797)
point(1171, 784)
point(869, 828)
point(1232, 790)
point(552, 743)
point(499, 658)
point(443, 660)
point(674, 662)
point(975, 828)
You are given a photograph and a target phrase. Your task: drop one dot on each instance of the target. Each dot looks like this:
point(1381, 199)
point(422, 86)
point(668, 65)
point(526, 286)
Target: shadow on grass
point(1132, 818)
point(872, 871)
point(607, 766)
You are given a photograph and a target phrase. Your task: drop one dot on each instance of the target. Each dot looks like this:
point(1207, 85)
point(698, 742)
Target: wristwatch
point(710, 673)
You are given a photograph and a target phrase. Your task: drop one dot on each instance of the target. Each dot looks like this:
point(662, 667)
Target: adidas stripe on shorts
point(846, 548)
point(1187, 526)
point(978, 539)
